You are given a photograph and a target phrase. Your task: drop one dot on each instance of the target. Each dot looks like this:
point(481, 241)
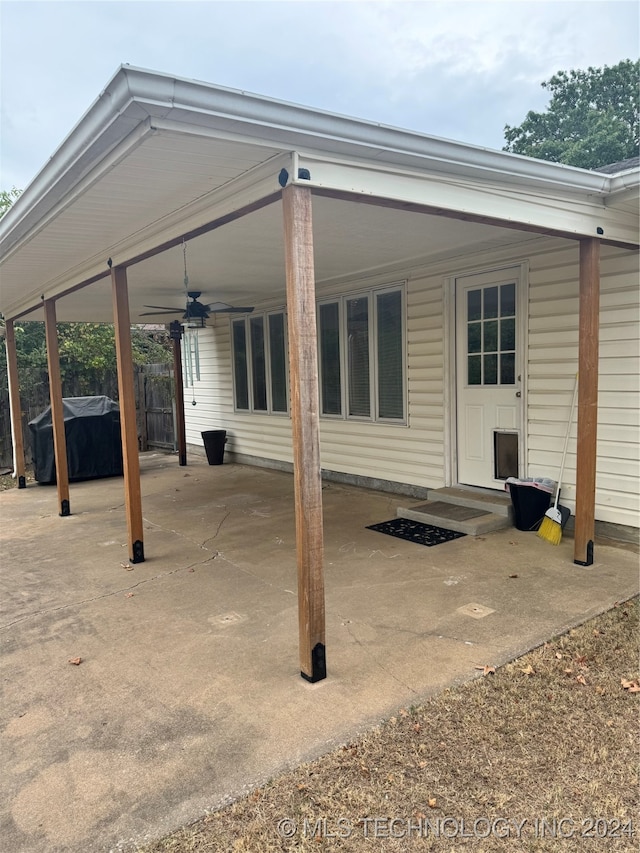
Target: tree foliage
point(7, 197)
point(86, 347)
point(591, 120)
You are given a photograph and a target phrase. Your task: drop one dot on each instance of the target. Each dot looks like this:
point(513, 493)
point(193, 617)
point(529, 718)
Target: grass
point(550, 739)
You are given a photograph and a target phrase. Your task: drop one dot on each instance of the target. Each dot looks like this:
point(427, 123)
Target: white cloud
point(456, 69)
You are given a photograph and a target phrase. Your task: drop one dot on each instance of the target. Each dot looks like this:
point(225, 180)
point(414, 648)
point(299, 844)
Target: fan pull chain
point(184, 254)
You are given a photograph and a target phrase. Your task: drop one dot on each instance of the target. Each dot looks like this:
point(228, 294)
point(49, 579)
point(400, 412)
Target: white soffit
point(243, 262)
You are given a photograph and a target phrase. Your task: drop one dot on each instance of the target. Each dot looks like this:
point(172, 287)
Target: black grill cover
point(94, 444)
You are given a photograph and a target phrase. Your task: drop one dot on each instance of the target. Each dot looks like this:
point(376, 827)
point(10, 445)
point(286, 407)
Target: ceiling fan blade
point(164, 308)
point(159, 313)
point(224, 308)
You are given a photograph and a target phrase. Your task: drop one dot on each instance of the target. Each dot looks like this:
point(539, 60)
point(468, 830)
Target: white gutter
point(281, 121)
point(625, 180)
point(133, 95)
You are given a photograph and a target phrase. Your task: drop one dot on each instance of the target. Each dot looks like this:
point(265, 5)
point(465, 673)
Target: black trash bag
point(531, 497)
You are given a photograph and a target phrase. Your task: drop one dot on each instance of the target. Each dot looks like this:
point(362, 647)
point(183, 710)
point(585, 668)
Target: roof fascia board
point(133, 94)
point(327, 127)
point(573, 218)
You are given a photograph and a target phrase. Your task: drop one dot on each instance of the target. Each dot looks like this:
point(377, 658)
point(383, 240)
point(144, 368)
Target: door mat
point(416, 531)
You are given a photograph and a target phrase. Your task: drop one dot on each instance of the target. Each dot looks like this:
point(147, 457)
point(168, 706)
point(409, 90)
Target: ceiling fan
point(196, 310)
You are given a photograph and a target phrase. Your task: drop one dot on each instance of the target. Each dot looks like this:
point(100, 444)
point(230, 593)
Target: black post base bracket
point(589, 560)
point(318, 665)
point(138, 552)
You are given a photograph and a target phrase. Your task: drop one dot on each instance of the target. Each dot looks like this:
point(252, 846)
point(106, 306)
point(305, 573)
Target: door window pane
point(491, 336)
point(507, 368)
point(474, 370)
point(258, 366)
point(508, 300)
point(507, 334)
point(474, 304)
point(358, 356)
point(490, 369)
point(474, 337)
point(389, 354)
point(490, 302)
point(278, 362)
point(330, 381)
point(240, 364)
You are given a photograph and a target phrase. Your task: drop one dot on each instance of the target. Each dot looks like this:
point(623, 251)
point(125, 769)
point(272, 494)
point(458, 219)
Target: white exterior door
point(488, 372)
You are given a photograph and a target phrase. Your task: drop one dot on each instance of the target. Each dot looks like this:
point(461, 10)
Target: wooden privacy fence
point(156, 408)
point(155, 404)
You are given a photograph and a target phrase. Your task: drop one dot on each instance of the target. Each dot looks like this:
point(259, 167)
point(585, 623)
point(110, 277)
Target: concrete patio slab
point(189, 691)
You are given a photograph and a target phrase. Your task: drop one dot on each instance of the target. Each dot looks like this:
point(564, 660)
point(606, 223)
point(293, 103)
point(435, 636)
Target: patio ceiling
point(156, 158)
point(242, 263)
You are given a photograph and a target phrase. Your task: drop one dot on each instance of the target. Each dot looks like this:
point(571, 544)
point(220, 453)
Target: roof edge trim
point(157, 93)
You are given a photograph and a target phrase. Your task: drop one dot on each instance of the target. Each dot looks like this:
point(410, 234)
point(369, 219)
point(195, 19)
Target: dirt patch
point(9, 482)
point(538, 755)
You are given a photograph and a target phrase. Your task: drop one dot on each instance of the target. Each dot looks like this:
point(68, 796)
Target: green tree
point(86, 349)
point(7, 197)
point(591, 120)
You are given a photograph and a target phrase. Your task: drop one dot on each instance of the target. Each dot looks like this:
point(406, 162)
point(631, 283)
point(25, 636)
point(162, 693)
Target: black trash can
point(214, 442)
point(530, 499)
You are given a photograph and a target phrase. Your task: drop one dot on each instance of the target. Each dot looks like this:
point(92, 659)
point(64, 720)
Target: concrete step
point(469, 520)
point(483, 499)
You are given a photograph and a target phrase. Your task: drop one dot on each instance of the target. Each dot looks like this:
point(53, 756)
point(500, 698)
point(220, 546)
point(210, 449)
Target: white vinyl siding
point(553, 362)
point(413, 452)
point(257, 434)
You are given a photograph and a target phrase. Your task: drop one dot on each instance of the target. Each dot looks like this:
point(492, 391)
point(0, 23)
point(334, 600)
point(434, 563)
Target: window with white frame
point(260, 363)
point(361, 343)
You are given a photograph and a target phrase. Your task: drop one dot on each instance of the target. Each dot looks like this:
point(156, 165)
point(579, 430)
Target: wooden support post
point(587, 400)
point(176, 338)
point(15, 407)
point(57, 411)
point(131, 462)
point(303, 373)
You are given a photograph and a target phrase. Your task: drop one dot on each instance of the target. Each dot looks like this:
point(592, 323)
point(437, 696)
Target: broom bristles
point(550, 530)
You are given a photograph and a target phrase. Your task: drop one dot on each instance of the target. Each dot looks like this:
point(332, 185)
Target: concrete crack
point(224, 518)
point(119, 591)
point(346, 623)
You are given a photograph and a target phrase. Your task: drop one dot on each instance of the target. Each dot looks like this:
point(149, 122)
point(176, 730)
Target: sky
point(458, 70)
